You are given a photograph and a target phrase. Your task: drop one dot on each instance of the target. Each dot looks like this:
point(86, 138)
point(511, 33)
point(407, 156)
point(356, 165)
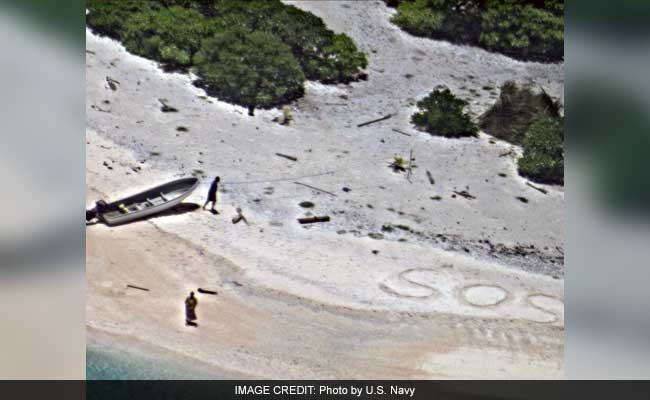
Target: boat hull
point(148, 203)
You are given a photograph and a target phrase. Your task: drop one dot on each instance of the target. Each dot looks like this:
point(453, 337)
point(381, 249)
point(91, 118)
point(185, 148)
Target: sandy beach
point(396, 285)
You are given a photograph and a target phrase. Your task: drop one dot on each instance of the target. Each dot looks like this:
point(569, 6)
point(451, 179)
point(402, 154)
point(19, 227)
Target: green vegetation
point(543, 159)
point(441, 113)
point(522, 29)
point(254, 69)
point(171, 35)
point(531, 120)
point(279, 45)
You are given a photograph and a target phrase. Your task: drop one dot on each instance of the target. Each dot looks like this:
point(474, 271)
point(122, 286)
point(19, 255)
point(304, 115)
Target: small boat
point(144, 204)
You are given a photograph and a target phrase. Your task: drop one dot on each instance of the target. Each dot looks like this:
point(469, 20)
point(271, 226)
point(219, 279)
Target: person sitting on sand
point(212, 195)
point(190, 310)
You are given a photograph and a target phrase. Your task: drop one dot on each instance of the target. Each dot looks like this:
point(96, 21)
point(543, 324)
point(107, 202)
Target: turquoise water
point(104, 363)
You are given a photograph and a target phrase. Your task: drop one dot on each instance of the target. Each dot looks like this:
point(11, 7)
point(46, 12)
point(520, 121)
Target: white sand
point(310, 288)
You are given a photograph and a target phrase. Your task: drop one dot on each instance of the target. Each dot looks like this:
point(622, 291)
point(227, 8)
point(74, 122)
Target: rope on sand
point(279, 179)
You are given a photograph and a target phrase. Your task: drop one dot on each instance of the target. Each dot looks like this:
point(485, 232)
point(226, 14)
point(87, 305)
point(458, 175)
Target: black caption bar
point(385, 390)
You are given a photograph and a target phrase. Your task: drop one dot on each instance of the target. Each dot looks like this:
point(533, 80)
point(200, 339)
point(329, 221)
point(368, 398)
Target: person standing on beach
point(190, 310)
point(212, 195)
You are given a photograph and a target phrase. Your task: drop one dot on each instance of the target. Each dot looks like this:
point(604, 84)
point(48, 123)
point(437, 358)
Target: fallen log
point(137, 287)
point(315, 188)
point(539, 189)
point(385, 117)
point(205, 291)
point(292, 158)
point(311, 220)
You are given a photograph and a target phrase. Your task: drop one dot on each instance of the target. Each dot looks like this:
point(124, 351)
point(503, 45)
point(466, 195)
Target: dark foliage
point(252, 69)
point(522, 29)
point(543, 159)
point(442, 114)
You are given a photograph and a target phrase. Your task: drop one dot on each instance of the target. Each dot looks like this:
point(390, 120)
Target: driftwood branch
point(315, 188)
point(385, 117)
point(204, 291)
point(292, 158)
point(137, 287)
point(402, 132)
point(539, 189)
point(465, 194)
point(311, 220)
point(431, 180)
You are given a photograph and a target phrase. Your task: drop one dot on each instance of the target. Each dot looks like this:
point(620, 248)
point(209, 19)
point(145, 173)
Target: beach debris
point(205, 291)
point(311, 220)
point(501, 174)
point(239, 217)
point(137, 287)
point(465, 194)
point(375, 235)
point(507, 153)
point(166, 108)
point(90, 52)
point(346, 189)
point(112, 83)
point(306, 204)
point(315, 188)
point(430, 177)
point(539, 189)
point(182, 129)
point(292, 158)
point(385, 117)
point(522, 199)
point(286, 115)
point(99, 109)
point(398, 164)
point(336, 104)
point(437, 198)
point(402, 132)
point(375, 252)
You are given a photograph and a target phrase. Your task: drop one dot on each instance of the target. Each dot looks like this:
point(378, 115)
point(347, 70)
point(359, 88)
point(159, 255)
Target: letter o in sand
point(484, 295)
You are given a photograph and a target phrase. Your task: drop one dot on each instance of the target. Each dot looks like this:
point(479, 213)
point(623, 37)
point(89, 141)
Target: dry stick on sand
point(375, 120)
point(311, 220)
point(402, 132)
point(465, 194)
point(539, 189)
point(409, 169)
point(431, 180)
point(137, 287)
point(204, 291)
point(292, 158)
point(315, 188)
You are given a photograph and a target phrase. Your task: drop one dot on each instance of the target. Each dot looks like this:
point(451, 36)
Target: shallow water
point(104, 363)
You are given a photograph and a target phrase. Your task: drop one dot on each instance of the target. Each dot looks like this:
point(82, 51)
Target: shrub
point(171, 35)
point(543, 159)
point(454, 20)
point(441, 113)
point(323, 55)
point(514, 111)
point(252, 69)
point(522, 31)
point(107, 17)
